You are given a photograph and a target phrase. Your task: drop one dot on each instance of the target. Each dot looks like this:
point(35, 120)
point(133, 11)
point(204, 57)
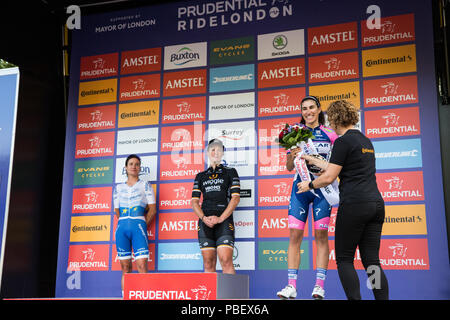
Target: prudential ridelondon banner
point(161, 81)
point(9, 90)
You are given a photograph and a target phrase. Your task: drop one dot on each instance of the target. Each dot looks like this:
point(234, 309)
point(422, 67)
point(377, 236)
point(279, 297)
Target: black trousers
point(360, 225)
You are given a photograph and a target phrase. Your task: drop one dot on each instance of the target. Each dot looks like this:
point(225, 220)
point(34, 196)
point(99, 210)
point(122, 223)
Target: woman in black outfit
point(361, 213)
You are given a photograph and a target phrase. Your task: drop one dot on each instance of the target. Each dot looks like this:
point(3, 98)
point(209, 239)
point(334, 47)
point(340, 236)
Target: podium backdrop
point(161, 81)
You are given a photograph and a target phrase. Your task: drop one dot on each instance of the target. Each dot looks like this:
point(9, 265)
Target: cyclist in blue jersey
point(135, 207)
point(314, 120)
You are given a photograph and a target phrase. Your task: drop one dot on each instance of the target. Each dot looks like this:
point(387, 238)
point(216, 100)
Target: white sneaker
point(318, 293)
point(289, 292)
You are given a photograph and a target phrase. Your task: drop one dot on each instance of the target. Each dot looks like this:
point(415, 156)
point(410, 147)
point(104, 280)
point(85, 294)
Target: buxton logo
point(280, 102)
point(94, 145)
point(281, 73)
point(334, 67)
point(392, 122)
point(184, 82)
point(333, 38)
point(138, 61)
point(274, 192)
point(185, 56)
point(99, 66)
point(391, 91)
point(96, 118)
point(183, 110)
point(89, 200)
point(139, 87)
point(392, 30)
point(88, 257)
point(401, 186)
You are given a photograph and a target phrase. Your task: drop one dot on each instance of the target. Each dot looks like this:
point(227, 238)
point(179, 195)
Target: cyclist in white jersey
point(135, 207)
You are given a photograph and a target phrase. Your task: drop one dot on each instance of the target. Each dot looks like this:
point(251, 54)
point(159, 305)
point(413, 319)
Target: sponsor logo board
point(179, 256)
point(184, 82)
point(233, 134)
point(151, 227)
point(393, 154)
point(405, 219)
point(244, 223)
point(99, 144)
point(180, 166)
point(175, 195)
point(274, 192)
point(99, 66)
point(243, 161)
point(333, 38)
point(148, 169)
point(274, 224)
point(401, 186)
point(392, 122)
point(184, 110)
point(137, 141)
point(243, 256)
point(281, 44)
point(281, 73)
point(232, 106)
point(392, 30)
point(93, 172)
point(232, 78)
point(332, 257)
point(140, 87)
point(182, 138)
point(280, 102)
point(96, 118)
point(390, 91)
point(272, 161)
point(99, 91)
point(179, 225)
point(188, 55)
point(247, 193)
point(138, 114)
point(391, 60)
point(268, 131)
point(334, 67)
point(337, 91)
point(273, 255)
point(90, 228)
point(90, 200)
point(139, 61)
point(115, 262)
point(231, 51)
point(404, 254)
point(93, 257)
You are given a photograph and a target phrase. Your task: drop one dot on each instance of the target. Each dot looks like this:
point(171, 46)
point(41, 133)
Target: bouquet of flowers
point(293, 134)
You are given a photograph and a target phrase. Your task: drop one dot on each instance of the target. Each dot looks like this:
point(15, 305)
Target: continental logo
point(392, 122)
point(339, 91)
point(405, 220)
point(334, 67)
point(281, 73)
point(96, 118)
point(90, 228)
point(139, 61)
point(365, 150)
point(333, 38)
point(390, 91)
point(100, 91)
point(184, 82)
point(183, 110)
point(139, 87)
point(99, 66)
point(392, 30)
point(401, 186)
point(232, 51)
point(138, 114)
point(392, 60)
point(93, 172)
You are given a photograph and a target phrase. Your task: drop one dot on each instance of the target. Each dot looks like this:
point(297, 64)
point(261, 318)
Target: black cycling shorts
point(221, 234)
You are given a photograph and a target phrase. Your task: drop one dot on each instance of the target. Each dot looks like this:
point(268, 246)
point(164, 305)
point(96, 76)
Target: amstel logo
point(390, 91)
point(115, 262)
point(281, 73)
point(401, 186)
point(392, 30)
point(184, 110)
point(178, 225)
point(333, 38)
point(139, 61)
point(140, 87)
point(184, 82)
point(392, 122)
point(99, 66)
point(274, 224)
point(96, 118)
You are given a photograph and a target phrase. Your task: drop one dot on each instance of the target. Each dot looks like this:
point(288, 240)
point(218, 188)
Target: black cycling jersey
point(217, 186)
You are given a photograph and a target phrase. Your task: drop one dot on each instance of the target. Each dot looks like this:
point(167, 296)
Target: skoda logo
point(280, 42)
point(235, 253)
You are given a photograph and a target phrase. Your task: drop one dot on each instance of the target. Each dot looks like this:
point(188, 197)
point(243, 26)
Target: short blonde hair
point(342, 113)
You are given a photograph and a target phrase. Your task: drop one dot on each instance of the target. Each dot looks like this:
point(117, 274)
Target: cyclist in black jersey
point(220, 187)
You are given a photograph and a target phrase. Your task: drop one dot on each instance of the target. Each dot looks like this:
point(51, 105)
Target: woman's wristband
point(310, 185)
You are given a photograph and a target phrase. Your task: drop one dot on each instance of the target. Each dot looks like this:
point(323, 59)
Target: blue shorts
point(131, 233)
point(299, 208)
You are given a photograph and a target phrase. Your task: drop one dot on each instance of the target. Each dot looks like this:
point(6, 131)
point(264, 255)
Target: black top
point(217, 185)
point(355, 153)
